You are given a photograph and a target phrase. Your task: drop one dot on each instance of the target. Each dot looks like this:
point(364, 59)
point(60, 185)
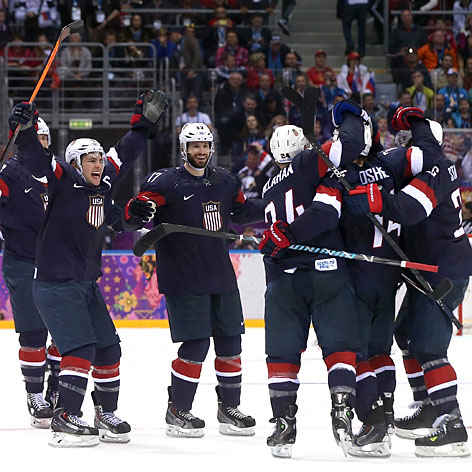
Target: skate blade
point(282, 450)
point(459, 449)
point(178, 432)
point(231, 430)
point(41, 423)
point(109, 437)
point(413, 433)
point(370, 450)
point(72, 440)
point(344, 441)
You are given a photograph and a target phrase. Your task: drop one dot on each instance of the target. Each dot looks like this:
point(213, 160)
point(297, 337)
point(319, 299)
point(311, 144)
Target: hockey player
point(376, 285)
point(429, 208)
point(303, 287)
point(22, 209)
point(68, 265)
point(196, 276)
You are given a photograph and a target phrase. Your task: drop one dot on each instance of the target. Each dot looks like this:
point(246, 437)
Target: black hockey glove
point(276, 240)
point(24, 114)
point(139, 211)
point(148, 111)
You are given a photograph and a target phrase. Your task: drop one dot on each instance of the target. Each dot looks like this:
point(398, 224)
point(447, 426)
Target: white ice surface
point(145, 374)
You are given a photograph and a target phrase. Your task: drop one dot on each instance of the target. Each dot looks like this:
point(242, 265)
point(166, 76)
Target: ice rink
point(145, 374)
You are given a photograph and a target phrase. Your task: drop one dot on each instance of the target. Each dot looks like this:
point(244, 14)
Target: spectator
point(269, 101)
point(406, 35)
point(164, 47)
point(467, 217)
point(330, 90)
point(215, 36)
point(193, 75)
point(460, 18)
point(135, 32)
point(387, 139)
point(319, 136)
point(5, 34)
point(431, 53)
point(287, 9)
point(453, 145)
point(348, 11)
point(294, 114)
point(421, 96)
point(232, 47)
point(439, 75)
point(402, 73)
point(277, 120)
point(188, 18)
point(461, 118)
point(440, 24)
point(275, 55)
point(38, 17)
point(423, 6)
point(255, 69)
point(101, 16)
point(255, 38)
point(404, 100)
point(369, 105)
point(465, 52)
point(438, 111)
point(228, 102)
point(251, 133)
point(467, 79)
point(192, 115)
point(290, 72)
point(229, 65)
point(316, 74)
point(257, 171)
point(249, 108)
point(354, 77)
point(453, 93)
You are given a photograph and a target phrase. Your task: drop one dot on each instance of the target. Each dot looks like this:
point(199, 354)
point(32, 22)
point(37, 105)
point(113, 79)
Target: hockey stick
point(71, 28)
point(164, 229)
point(307, 106)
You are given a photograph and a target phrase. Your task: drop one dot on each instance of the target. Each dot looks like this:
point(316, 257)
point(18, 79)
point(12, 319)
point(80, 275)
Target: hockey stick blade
point(160, 231)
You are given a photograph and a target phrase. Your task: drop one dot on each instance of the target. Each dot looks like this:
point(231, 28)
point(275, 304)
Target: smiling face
point(198, 153)
point(92, 167)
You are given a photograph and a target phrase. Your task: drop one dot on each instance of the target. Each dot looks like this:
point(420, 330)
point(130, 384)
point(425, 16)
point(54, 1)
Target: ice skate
point(284, 434)
point(342, 416)
point(373, 439)
point(448, 440)
point(182, 423)
point(70, 431)
point(417, 425)
point(387, 398)
point(111, 428)
point(39, 409)
point(233, 422)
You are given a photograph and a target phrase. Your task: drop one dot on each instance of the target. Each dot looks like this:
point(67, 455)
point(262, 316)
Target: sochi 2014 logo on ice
point(211, 216)
point(96, 211)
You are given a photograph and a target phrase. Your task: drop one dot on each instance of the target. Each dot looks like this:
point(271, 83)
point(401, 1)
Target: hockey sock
point(441, 382)
point(186, 370)
point(414, 373)
point(366, 389)
point(75, 366)
point(54, 367)
point(341, 372)
point(228, 369)
point(283, 381)
point(106, 376)
point(33, 359)
point(384, 369)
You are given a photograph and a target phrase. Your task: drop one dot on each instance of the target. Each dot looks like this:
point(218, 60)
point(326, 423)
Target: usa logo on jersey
point(96, 211)
point(45, 199)
point(211, 216)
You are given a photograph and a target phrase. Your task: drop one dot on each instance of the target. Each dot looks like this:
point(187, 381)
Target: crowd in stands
point(230, 63)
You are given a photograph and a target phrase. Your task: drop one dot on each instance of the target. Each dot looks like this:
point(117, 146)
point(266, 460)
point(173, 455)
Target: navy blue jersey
point(289, 194)
point(71, 234)
point(23, 201)
point(191, 264)
point(430, 210)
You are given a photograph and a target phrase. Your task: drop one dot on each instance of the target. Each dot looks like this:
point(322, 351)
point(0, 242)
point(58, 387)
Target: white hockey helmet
point(286, 142)
point(43, 128)
point(194, 133)
point(404, 137)
point(80, 147)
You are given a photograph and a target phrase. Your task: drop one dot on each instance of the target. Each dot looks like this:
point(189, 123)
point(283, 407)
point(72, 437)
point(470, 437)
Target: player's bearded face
point(92, 168)
point(198, 154)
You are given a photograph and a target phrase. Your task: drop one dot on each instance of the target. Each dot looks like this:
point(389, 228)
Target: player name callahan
point(285, 172)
